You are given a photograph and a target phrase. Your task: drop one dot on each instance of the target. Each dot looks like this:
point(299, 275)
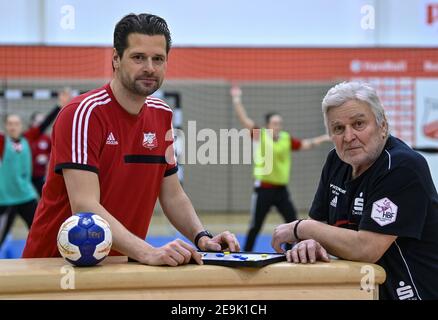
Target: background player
point(42, 146)
point(113, 155)
point(270, 188)
point(17, 194)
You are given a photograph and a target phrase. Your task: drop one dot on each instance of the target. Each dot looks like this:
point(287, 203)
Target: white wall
point(404, 24)
point(20, 21)
point(224, 23)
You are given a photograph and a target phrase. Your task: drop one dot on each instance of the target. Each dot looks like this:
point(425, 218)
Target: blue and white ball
point(84, 239)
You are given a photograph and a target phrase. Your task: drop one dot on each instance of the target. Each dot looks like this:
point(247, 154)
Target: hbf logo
point(384, 212)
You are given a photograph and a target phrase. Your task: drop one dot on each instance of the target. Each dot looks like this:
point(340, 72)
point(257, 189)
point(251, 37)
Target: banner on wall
point(427, 122)
point(427, 112)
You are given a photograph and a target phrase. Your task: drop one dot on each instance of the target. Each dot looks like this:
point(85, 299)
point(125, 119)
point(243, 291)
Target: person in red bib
point(40, 154)
point(113, 155)
point(41, 147)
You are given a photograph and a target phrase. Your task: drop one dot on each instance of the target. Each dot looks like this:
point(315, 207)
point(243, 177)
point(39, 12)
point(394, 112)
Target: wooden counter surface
point(115, 278)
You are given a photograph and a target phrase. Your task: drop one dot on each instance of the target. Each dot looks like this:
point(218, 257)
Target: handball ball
point(84, 239)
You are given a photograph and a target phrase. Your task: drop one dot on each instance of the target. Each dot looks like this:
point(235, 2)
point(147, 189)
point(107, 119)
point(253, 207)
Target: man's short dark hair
point(269, 115)
point(143, 23)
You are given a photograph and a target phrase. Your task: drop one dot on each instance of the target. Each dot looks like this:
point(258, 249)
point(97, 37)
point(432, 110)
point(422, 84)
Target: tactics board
point(241, 259)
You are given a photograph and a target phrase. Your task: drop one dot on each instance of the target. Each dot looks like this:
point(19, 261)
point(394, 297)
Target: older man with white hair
point(376, 201)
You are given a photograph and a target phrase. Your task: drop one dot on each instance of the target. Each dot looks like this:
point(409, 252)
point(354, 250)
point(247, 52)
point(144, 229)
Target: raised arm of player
point(180, 212)
point(236, 96)
point(310, 143)
point(84, 195)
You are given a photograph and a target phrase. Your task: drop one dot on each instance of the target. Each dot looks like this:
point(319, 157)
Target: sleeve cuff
point(171, 171)
point(399, 232)
point(317, 217)
point(78, 166)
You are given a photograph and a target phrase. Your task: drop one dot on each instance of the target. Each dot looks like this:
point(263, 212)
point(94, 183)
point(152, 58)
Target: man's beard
point(136, 88)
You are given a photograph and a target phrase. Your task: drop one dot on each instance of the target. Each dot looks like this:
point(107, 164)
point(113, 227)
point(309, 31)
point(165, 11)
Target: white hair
point(346, 91)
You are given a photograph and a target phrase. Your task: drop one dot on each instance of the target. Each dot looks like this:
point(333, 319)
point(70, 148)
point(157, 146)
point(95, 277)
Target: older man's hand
point(307, 251)
point(283, 234)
